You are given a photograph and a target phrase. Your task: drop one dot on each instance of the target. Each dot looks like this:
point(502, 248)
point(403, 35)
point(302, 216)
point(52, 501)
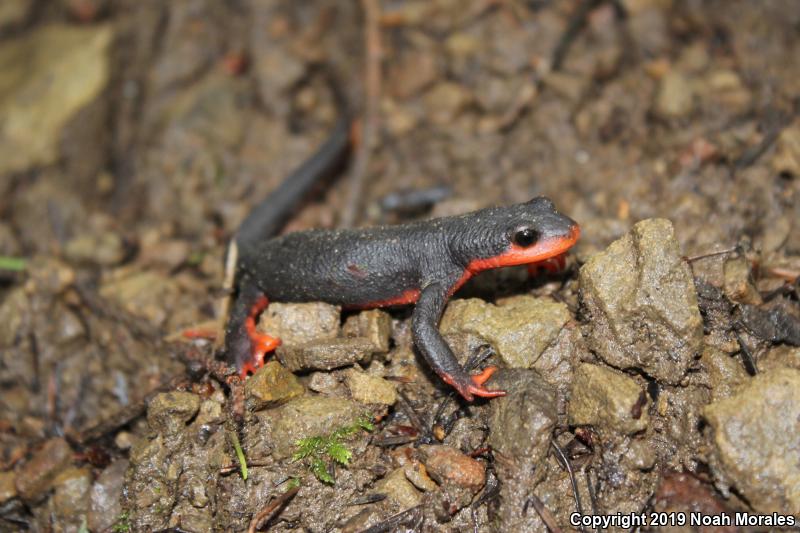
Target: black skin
point(422, 262)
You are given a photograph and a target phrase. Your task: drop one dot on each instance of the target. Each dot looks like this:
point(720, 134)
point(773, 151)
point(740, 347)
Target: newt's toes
point(479, 379)
point(260, 346)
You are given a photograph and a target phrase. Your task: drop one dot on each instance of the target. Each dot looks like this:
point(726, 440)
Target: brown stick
point(372, 15)
point(272, 507)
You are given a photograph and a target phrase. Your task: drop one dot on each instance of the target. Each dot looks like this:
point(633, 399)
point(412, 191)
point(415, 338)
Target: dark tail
point(269, 216)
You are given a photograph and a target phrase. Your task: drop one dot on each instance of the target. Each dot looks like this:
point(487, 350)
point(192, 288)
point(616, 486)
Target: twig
point(731, 250)
point(372, 15)
point(412, 517)
point(592, 495)
point(562, 458)
point(272, 507)
point(545, 514)
point(224, 302)
point(575, 25)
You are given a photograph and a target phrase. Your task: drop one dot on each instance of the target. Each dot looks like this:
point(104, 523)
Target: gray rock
point(520, 328)
point(522, 421)
point(169, 412)
point(787, 151)
point(48, 76)
point(369, 389)
point(72, 496)
point(8, 488)
point(756, 441)
point(642, 303)
point(309, 416)
point(608, 400)
point(35, 478)
point(738, 281)
point(675, 97)
point(375, 325)
point(300, 323)
point(725, 373)
point(271, 385)
point(14, 13)
point(105, 496)
point(104, 249)
point(399, 490)
point(325, 355)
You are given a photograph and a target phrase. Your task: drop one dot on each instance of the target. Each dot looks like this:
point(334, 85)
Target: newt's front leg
point(425, 330)
point(245, 346)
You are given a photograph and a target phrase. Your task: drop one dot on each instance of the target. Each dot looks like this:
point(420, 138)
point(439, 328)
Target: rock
point(607, 400)
point(143, 294)
point(684, 493)
point(448, 465)
point(105, 505)
point(641, 455)
point(779, 356)
point(300, 323)
point(368, 389)
point(375, 325)
point(641, 303)
point(71, 498)
point(399, 490)
point(756, 440)
point(738, 282)
point(326, 383)
point(272, 384)
point(521, 422)
point(12, 316)
point(650, 30)
point(568, 86)
point(14, 13)
point(786, 159)
point(519, 328)
point(776, 323)
point(725, 373)
point(413, 73)
point(169, 412)
point(444, 101)
point(725, 87)
point(308, 416)
point(325, 355)
point(47, 77)
point(674, 98)
point(8, 489)
point(105, 249)
point(417, 474)
point(35, 478)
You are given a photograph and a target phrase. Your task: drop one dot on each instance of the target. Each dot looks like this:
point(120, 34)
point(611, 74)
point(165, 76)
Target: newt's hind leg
point(244, 345)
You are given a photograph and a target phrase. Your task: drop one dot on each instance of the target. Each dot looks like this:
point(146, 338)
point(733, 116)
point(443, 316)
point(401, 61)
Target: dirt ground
point(657, 376)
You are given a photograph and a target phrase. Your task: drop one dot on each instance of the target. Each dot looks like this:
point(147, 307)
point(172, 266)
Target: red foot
point(260, 343)
point(475, 387)
point(553, 265)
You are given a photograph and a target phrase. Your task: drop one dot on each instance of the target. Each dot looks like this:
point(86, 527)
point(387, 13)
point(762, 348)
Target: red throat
point(517, 255)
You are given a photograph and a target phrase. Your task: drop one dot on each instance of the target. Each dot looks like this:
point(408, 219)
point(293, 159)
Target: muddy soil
point(657, 373)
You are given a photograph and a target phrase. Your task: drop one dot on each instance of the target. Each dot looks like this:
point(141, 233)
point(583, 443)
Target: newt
point(421, 263)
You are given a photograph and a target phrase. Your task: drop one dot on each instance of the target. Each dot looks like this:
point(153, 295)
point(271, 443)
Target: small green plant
point(239, 453)
point(320, 450)
point(123, 523)
point(12, 264)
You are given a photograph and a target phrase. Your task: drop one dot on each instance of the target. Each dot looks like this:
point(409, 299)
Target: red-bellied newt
point(421, 263)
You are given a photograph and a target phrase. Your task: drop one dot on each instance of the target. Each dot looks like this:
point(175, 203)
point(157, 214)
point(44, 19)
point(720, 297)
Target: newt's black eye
point(525, 237)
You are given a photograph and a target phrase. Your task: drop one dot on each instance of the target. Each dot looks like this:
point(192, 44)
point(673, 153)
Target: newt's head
point(519, 234)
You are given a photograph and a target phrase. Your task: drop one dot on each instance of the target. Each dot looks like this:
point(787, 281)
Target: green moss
point(322, 451)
